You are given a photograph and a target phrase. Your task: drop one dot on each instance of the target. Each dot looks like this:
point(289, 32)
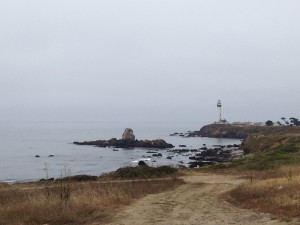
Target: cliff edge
point(232, 131)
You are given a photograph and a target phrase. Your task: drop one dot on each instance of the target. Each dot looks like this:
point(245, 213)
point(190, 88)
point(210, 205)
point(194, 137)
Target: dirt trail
point(193, 203)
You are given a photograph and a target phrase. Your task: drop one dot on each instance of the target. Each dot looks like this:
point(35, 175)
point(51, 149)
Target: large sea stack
point(128, 135)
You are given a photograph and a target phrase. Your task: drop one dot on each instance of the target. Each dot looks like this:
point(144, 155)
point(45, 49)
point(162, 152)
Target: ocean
point(22, 141)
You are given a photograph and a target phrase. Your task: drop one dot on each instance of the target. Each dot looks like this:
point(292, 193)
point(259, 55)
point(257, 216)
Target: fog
point(133, 60)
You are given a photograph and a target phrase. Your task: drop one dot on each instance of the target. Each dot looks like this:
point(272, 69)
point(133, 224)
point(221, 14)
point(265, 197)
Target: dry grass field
point(274, 191)
point(69, 202)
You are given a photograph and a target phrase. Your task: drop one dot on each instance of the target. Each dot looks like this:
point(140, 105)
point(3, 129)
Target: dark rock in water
point(115, 150)
point(169, 157)
point(198, 157)
point(37, 156)
point(128, 135)
point(180, 151)
point(210, 158)
point(195, 164)
point(182, 146)
point(216, 155)
point(142, 163)
point(209, 152)
point(50, 155)
point(121, 143)
point(157, 155)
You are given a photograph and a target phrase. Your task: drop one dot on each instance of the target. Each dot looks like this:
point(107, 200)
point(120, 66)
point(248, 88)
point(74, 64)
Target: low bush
point(144, 172)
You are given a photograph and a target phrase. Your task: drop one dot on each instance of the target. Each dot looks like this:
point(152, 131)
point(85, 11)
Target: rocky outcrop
point(231, 131)
point(128, 135)
point(123, 143)
point(223, 131)
point(128, 141)
point(218, 154)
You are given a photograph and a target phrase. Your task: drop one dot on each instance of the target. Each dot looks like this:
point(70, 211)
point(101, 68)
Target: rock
point(50, 155)
point(195, 164)
point(128, 141)
point(37, 156)
point(209, 152)
point(142, 163)
point(128, 135)
point(182, 146)
point(157, 155)
point(157, 144)
point(210, 158)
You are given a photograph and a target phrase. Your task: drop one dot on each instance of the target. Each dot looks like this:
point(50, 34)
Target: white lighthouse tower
point(219, 112)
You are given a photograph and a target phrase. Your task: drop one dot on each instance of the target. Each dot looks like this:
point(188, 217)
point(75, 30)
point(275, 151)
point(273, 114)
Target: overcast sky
point(140, 60)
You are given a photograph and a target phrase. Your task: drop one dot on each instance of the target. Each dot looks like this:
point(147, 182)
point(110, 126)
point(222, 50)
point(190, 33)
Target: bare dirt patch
point(196, 202)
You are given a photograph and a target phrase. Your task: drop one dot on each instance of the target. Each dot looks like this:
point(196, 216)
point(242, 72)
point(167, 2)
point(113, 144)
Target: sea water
point(22, 141)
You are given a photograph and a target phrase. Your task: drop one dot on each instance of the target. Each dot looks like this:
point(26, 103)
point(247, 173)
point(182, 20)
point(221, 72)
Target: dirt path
point(193, 203)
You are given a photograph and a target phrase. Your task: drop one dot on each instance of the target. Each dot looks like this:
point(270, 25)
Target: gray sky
point(143, 60)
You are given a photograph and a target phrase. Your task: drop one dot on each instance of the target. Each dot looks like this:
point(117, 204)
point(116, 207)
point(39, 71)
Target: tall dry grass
point(276, 192)
point(86, 202)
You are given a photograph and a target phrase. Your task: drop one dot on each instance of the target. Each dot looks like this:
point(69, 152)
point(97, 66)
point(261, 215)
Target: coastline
point(22, 141)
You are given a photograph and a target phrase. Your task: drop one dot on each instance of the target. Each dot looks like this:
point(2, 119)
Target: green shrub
point(218, 166)
point(268, 160)
point(144, 172)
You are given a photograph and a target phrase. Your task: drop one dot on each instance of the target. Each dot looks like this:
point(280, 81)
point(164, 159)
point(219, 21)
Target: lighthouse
point(219, 111)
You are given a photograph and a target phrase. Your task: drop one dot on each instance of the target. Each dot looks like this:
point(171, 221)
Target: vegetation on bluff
point(273, 169)
point(270, 150)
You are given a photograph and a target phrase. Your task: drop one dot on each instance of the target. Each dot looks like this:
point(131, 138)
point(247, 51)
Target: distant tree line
point(285, 122)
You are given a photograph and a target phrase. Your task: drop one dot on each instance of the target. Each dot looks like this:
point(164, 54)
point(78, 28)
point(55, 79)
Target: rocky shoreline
point(228, 131)
point(190, 157)
point(210, 156)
